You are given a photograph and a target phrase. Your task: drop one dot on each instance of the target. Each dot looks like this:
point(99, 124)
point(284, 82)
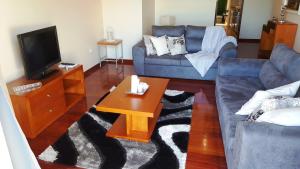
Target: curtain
point(5, 159)
point(20, 153)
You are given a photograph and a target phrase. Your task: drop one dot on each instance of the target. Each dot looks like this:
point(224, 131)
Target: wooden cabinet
point(275, 32)
point(37, 109)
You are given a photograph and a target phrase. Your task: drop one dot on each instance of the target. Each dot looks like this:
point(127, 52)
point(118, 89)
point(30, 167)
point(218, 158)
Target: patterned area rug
point(85, 144)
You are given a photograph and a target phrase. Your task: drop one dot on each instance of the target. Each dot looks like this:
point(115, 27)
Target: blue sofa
point(177, 66)
point(252, 145)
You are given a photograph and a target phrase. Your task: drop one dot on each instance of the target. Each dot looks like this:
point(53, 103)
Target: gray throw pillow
point(274, 103)
point(298, 93)
point(176, 45)
point(149, 45)
point(255, 115)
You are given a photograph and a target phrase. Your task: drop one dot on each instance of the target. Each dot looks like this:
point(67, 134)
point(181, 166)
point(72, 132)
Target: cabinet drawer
point(47, 95)
point(46, 115)
point(47, 105)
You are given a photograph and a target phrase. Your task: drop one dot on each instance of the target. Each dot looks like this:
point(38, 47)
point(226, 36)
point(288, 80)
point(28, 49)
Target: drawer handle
point(50, 111)
point(48, 95)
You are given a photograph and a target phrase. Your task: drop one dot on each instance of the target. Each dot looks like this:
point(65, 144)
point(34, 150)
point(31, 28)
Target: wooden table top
point(122, 103)
point(105, 42)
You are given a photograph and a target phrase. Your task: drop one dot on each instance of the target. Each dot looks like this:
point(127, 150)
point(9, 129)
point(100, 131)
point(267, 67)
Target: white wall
point(255, 14)
point(125, 18)
point(79, 25)
point(148, 16)
point(292, 17)
point(130, 19)
point(187, 12)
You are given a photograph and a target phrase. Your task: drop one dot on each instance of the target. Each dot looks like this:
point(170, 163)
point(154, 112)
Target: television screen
point(40, 50)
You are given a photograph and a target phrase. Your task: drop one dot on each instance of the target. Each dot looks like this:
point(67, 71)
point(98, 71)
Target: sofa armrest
point(265, 145)
point(240, 67)
point(229, 50)
point(139, 53)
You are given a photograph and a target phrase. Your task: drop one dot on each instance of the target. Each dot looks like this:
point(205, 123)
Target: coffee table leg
point(128, 124)
point(135, 128)
point(136, 123)
point(139, 123)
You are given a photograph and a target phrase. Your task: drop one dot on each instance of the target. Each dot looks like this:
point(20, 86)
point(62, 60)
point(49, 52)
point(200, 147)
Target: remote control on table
point(27, 88)
point(67, 64)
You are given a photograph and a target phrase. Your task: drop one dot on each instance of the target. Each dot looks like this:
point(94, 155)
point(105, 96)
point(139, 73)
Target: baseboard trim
point(249, 40)
point(97, 66)
point(127, 62)
point(91, 70)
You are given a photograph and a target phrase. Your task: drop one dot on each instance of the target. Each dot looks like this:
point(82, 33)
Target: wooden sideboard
point(37, 109)
point(275, 32)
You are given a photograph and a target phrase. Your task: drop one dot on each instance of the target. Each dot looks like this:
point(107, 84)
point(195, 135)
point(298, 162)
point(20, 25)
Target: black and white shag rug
point(85, 144)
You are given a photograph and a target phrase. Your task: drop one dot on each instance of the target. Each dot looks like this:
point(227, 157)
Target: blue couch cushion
point(281, 56)
point(194, 36)
point(271, 77)
point(232, 93)
point(172, 31)
point(182, 72)
point(168, 60)
point(293, 70)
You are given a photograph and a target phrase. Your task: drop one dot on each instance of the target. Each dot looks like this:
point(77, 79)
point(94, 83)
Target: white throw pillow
point(258, 98)
point(149, 46)
point(176, 45)
point(284, 117)
point(274, 103)
point(254, 103)
point(286, 90)
point(160, 45)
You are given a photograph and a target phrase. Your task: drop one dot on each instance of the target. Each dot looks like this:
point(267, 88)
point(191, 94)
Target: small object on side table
point(284, 4)
point(27, 88)
point(67, 66)
point(134, 83)
point(143, 87)
point(141, 90)
point(137, 87)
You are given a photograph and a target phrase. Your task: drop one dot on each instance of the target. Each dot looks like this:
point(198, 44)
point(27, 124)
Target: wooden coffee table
point(138, 114)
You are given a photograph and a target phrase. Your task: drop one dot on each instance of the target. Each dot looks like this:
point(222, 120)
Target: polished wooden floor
point(205, 145)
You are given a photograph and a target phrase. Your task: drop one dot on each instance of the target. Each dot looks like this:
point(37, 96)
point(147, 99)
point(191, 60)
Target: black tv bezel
point(41, 72)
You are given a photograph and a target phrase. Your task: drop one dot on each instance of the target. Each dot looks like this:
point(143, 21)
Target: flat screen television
point(40, 51)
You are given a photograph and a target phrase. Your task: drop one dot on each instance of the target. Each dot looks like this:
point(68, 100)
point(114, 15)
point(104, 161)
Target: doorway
point(221, 13)
point(229, 15)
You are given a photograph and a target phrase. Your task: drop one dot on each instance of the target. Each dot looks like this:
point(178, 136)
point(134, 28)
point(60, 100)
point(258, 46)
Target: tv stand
point(38, 109)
